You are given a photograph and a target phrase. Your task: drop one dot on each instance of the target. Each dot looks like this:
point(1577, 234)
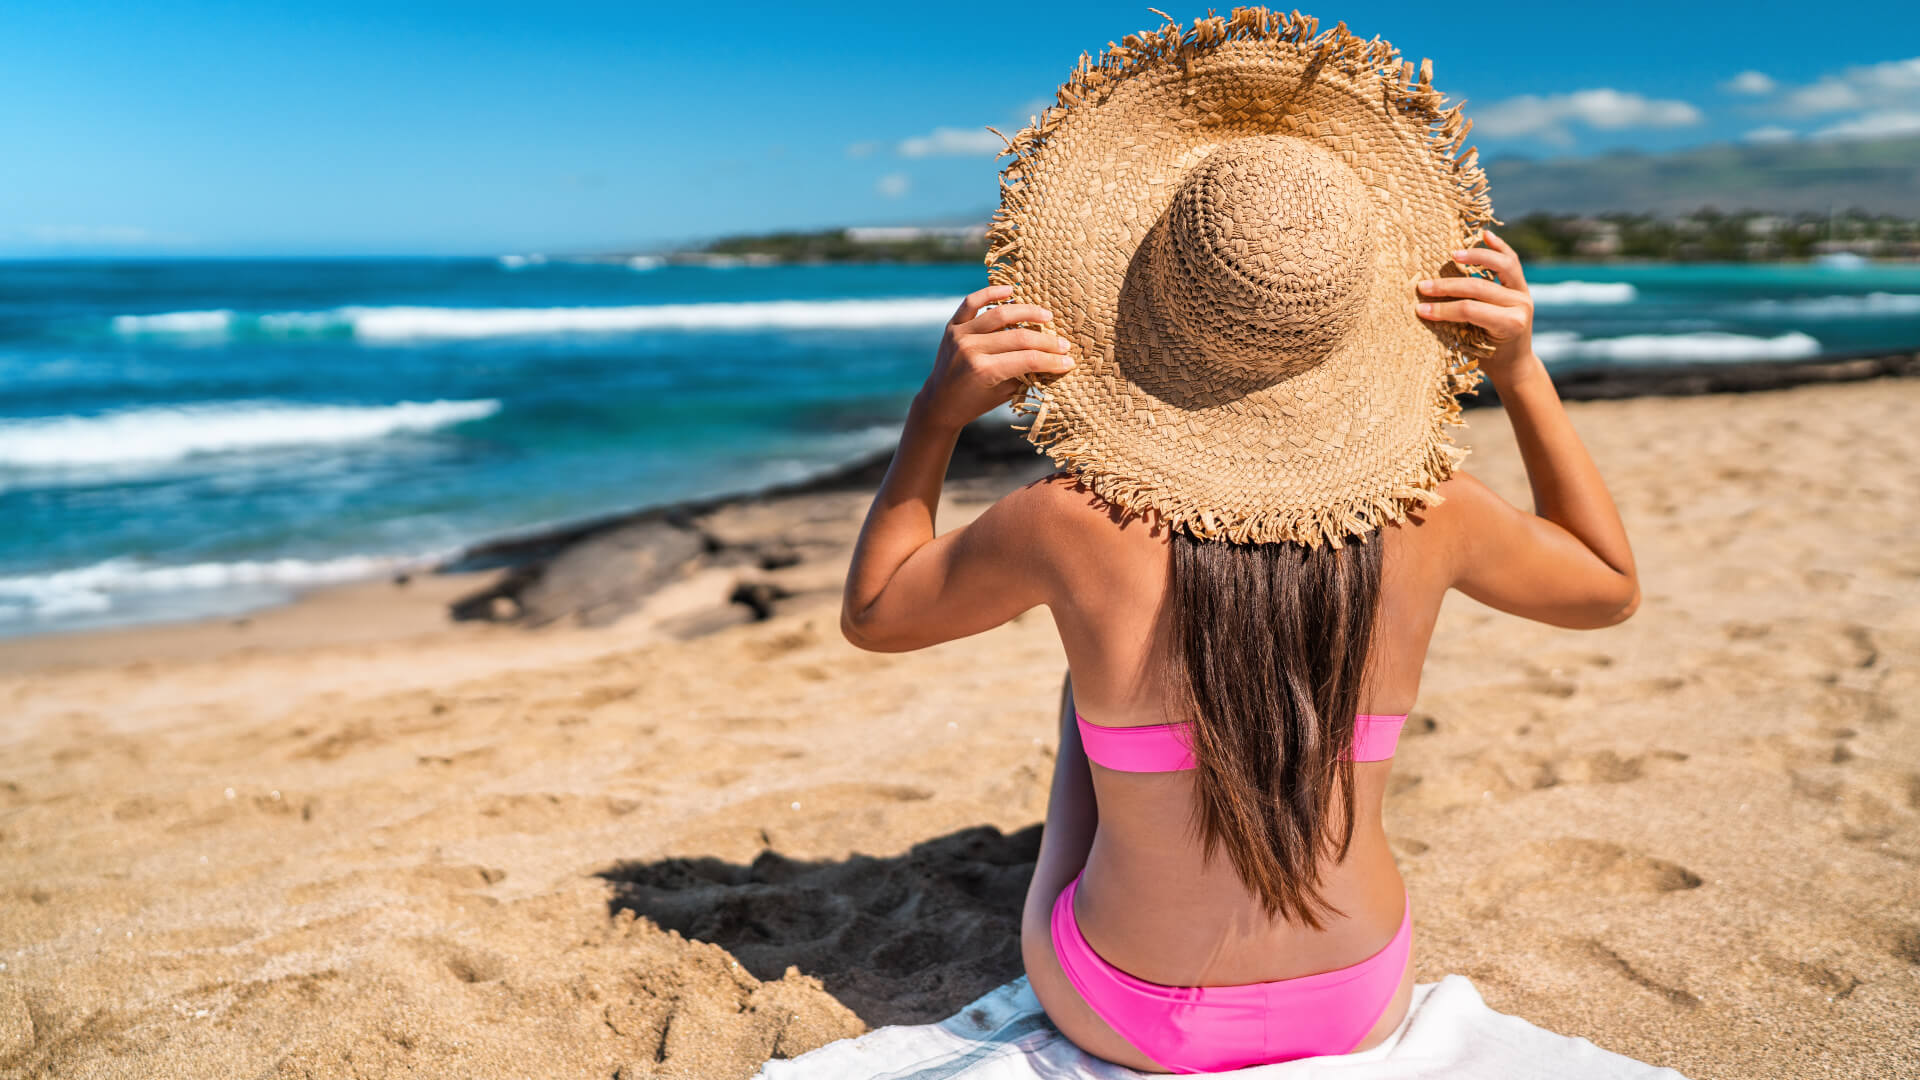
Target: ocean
point(182, 438)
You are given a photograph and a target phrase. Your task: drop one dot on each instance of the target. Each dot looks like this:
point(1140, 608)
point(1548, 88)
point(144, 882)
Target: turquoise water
point(195, 436)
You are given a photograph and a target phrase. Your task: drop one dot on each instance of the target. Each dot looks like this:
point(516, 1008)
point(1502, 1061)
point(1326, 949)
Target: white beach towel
point(1449, 1032)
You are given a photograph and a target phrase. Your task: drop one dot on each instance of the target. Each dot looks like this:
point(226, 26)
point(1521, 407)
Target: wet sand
point(350, 838)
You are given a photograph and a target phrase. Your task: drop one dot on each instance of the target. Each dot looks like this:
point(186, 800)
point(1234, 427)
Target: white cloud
point(952, 142)
point(1770, 135)
point(1755, 83)
point(1827, 95)
point(893, 185)
point(861, 149)
point(1604, 108)
point(1893, 85)
point(1879, 124)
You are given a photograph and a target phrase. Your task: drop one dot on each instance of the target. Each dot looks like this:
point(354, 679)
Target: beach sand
point(347, 838)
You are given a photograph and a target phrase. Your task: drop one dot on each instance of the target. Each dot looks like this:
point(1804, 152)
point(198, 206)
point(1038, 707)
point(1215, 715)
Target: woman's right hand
point(1503, 308)
point(984, 353)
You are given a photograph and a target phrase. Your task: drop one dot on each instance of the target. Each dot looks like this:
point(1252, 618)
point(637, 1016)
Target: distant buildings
point(1704, 235)
point(889, 243)
point(1708, 235)
point(900, 234)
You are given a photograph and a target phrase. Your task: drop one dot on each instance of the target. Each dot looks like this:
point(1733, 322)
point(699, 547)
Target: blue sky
point(481, 127)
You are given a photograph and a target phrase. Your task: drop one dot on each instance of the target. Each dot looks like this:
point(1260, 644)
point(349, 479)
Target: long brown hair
point(1269, 644)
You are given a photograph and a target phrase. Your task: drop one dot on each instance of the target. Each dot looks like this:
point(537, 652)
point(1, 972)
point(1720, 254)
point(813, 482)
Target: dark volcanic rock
point(605, 576)
point(1688, 380)
point(758, 597)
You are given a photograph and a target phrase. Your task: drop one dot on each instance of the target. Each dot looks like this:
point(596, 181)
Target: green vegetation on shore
point(1708, 235)
point(895, 245)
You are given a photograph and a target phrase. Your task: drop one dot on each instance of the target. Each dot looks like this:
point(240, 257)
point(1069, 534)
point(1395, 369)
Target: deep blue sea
point(188, 437)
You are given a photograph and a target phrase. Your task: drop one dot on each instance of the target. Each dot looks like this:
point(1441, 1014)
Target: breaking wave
point(403, 324)
point(1568, 293)
point(152, 435)
point(1870, 305)
point(91, 590)
point(1696, 347)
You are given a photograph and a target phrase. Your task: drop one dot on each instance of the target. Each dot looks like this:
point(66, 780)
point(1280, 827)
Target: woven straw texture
point(1228, 222)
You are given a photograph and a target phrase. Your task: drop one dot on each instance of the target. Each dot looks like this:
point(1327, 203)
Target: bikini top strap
point(1163, 747)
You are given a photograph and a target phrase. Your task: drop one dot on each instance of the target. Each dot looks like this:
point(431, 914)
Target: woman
point(1236, 268)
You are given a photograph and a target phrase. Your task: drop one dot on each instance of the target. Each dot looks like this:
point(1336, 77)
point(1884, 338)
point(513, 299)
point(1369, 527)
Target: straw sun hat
point(1228, 222)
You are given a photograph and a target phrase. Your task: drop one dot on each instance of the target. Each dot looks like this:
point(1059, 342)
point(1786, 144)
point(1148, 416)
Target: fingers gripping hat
point(1228, 222)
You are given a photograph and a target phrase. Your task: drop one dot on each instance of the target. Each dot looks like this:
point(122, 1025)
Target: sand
point(346, 838)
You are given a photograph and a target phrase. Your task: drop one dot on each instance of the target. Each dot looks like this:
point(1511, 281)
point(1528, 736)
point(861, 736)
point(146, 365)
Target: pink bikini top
point(1162, 747)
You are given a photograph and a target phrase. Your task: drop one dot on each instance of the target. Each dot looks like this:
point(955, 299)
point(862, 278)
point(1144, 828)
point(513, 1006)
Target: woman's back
point(1152, 902)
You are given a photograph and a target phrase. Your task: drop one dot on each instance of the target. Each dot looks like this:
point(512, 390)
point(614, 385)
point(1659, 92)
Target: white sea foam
point(189, 323)
point(1870, 305)
point(93, 590)
point(408, 323)
point(404, 324)
point(1558, 293)
point(1702, 346)
point(146, 436)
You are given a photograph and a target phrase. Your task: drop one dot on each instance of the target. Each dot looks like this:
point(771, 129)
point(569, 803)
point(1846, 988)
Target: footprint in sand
point(471, 965)
point(1873, 805)
point(1821, 978)
point(1500, 774)
point(1902, 942)
point(1576, 865)
point(1638, 974)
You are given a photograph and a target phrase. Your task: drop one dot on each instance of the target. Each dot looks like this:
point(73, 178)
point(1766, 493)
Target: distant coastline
point(1706, 235)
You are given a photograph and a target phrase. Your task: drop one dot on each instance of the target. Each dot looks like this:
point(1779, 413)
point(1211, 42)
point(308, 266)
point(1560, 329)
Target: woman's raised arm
point(907, 588)
point(1569, 562)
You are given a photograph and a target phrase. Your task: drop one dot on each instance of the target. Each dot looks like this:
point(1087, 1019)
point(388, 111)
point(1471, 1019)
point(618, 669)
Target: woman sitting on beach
point(1239, 285)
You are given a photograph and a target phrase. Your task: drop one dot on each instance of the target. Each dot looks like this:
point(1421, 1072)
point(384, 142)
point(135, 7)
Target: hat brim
point(1335, 451)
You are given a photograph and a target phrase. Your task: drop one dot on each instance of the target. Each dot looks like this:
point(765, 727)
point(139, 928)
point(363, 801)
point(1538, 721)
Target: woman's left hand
point(984, 353)
point(1500, 305)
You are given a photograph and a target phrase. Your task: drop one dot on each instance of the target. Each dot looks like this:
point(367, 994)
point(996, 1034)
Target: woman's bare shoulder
point(1063, 502)
point(1434, 536)
point(1070, 526)
point(1465, 502)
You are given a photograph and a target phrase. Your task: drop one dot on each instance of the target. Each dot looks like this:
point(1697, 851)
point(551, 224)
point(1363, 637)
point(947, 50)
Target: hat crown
point(1265, 256)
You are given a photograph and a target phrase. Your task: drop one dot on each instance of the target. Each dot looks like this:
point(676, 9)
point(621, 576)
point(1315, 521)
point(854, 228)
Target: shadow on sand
point(907, 939)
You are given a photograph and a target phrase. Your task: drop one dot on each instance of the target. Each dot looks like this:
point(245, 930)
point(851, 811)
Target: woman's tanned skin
point(1148, 901)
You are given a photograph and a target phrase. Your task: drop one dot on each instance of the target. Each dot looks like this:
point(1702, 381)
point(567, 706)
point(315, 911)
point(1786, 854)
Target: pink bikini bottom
point(1214, 1028)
